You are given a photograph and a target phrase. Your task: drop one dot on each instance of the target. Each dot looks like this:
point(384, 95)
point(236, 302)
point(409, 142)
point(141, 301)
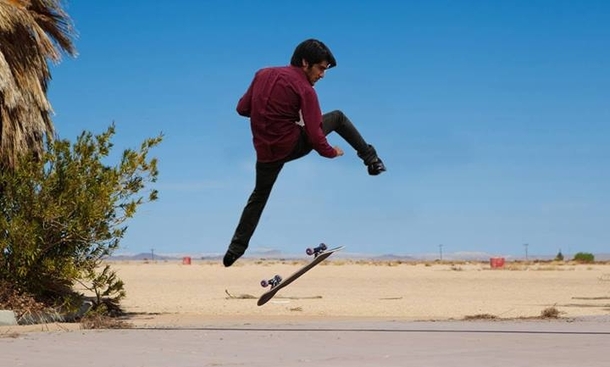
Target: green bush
point(63, 213)
point(584, 257)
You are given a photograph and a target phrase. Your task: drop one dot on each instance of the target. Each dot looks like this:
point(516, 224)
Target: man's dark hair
point(314, 52)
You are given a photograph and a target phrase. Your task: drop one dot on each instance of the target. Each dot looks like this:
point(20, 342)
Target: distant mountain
point(268, 253)
point(141, 256)
point(392, 257)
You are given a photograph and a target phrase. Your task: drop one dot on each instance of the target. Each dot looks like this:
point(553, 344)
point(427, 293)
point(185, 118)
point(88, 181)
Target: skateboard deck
point(278, 283)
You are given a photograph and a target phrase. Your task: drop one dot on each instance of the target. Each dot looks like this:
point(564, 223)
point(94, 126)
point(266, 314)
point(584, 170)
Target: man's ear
point(304, 63)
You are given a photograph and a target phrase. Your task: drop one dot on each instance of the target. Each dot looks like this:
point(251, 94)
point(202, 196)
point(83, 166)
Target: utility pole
point(152, 254)
point(440, 249)
point(526, 245)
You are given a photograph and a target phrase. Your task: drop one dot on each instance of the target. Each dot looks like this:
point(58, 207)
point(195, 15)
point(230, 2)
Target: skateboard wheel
point(316, 250)
point(271, 282)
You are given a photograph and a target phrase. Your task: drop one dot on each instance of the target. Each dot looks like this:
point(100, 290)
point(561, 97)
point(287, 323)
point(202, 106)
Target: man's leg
point(266, 174)
point(338, 122)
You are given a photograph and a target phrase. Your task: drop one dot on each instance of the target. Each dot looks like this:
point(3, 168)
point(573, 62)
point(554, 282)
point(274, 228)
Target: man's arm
point(312, 119)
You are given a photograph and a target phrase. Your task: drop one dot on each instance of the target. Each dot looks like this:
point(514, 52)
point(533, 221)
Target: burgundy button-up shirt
point(278, 101)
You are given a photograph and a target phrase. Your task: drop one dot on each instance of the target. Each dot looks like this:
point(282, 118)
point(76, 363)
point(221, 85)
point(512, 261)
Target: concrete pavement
point(570, 343)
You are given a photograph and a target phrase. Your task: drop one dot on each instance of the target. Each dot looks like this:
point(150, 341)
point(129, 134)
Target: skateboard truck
point(273, 282)
point(316, 250)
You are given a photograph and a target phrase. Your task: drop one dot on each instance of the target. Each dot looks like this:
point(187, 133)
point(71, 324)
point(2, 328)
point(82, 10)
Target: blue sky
point(493, 119)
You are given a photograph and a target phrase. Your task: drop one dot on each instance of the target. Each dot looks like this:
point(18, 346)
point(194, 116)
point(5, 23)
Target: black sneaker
point(376, 167)
point(229, 259)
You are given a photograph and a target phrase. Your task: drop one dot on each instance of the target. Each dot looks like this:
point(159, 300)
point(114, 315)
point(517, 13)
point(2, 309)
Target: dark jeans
point(267, 173)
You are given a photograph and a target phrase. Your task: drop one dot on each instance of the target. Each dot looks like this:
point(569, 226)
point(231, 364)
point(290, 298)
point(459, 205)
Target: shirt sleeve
point(312, 119)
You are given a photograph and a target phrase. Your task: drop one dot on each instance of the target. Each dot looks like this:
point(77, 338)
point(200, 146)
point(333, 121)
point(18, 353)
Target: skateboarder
point(287, 124)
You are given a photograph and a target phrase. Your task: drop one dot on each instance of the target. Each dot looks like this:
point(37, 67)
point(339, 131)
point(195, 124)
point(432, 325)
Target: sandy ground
point(173, 293)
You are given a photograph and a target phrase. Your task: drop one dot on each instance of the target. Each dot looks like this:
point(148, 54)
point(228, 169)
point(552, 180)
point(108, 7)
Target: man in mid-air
point(287, 124)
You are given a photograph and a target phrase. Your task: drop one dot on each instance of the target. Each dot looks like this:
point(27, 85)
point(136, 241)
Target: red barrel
point(496, 262)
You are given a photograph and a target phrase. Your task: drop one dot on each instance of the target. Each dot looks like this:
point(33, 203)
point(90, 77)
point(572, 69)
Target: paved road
point(554, 343)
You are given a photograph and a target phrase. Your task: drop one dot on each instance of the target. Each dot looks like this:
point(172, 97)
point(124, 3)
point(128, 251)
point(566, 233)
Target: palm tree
point(32, 33)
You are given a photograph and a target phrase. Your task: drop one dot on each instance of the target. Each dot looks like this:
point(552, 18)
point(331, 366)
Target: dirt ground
point(365, 289)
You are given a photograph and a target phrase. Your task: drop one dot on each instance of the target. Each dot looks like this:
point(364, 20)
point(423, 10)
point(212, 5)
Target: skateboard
point(319, 253)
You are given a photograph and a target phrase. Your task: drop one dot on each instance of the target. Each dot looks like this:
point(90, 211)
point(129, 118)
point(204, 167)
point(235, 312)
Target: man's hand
point(338, 150)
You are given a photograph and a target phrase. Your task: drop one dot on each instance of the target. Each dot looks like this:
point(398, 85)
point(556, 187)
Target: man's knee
point(333, 121)
point(336, 115)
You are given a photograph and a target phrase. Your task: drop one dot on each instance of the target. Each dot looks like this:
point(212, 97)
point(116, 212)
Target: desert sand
point(174, 292)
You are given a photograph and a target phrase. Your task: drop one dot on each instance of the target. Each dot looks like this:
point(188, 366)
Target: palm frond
point(32, 34)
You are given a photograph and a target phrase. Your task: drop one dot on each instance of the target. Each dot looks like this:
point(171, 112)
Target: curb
point(7, 317)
